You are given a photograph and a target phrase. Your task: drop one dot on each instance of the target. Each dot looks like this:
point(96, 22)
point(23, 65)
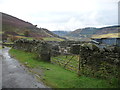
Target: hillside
point(87, 33)
point(14, 25)
point(61, 33)
point(107, 30)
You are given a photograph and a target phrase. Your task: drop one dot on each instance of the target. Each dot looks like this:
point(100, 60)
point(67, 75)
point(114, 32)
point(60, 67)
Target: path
point(14, 75)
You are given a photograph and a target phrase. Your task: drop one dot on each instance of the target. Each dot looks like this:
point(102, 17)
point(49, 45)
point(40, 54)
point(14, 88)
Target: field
point(56, 76)
point(52, 39)
point(110, 35)
point(29, 38)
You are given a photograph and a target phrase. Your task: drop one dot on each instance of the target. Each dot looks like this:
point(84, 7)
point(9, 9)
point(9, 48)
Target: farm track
point(15, 75)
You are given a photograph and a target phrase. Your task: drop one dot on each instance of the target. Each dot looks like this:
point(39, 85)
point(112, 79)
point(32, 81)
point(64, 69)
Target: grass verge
point(56, 76)
point(0, 46)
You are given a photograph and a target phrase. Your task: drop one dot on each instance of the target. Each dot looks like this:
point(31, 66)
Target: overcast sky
point(63, 14)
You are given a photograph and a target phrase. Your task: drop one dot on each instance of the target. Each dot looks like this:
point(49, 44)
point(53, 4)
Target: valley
point(83, 58)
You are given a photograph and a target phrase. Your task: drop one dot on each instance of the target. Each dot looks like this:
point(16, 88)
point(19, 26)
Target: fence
point(90, 60)
point(69, 62)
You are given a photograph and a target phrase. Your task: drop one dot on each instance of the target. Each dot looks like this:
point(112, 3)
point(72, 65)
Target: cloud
point(63, 14)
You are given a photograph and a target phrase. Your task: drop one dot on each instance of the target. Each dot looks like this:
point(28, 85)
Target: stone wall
point(41, 48)
point(95, 60)
point(98, 62)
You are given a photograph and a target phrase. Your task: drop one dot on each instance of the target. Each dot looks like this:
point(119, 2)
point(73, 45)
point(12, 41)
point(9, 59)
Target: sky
point(63, 14)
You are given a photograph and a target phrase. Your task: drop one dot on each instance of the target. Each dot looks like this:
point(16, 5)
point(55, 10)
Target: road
point(15, 75)
point(0, 70)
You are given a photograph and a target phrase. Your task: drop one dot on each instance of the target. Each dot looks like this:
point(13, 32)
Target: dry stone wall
point(95, 60)
point(98, 62)
point(41, 48)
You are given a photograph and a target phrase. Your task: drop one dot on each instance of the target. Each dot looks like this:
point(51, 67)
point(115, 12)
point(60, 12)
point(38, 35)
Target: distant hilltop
point(87, 33)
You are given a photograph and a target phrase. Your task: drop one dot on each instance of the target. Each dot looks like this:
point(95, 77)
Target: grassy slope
point(58, 77)
point(29, 38)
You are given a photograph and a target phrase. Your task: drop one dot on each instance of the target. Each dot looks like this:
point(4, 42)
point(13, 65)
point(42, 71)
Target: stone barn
point(107, 39)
